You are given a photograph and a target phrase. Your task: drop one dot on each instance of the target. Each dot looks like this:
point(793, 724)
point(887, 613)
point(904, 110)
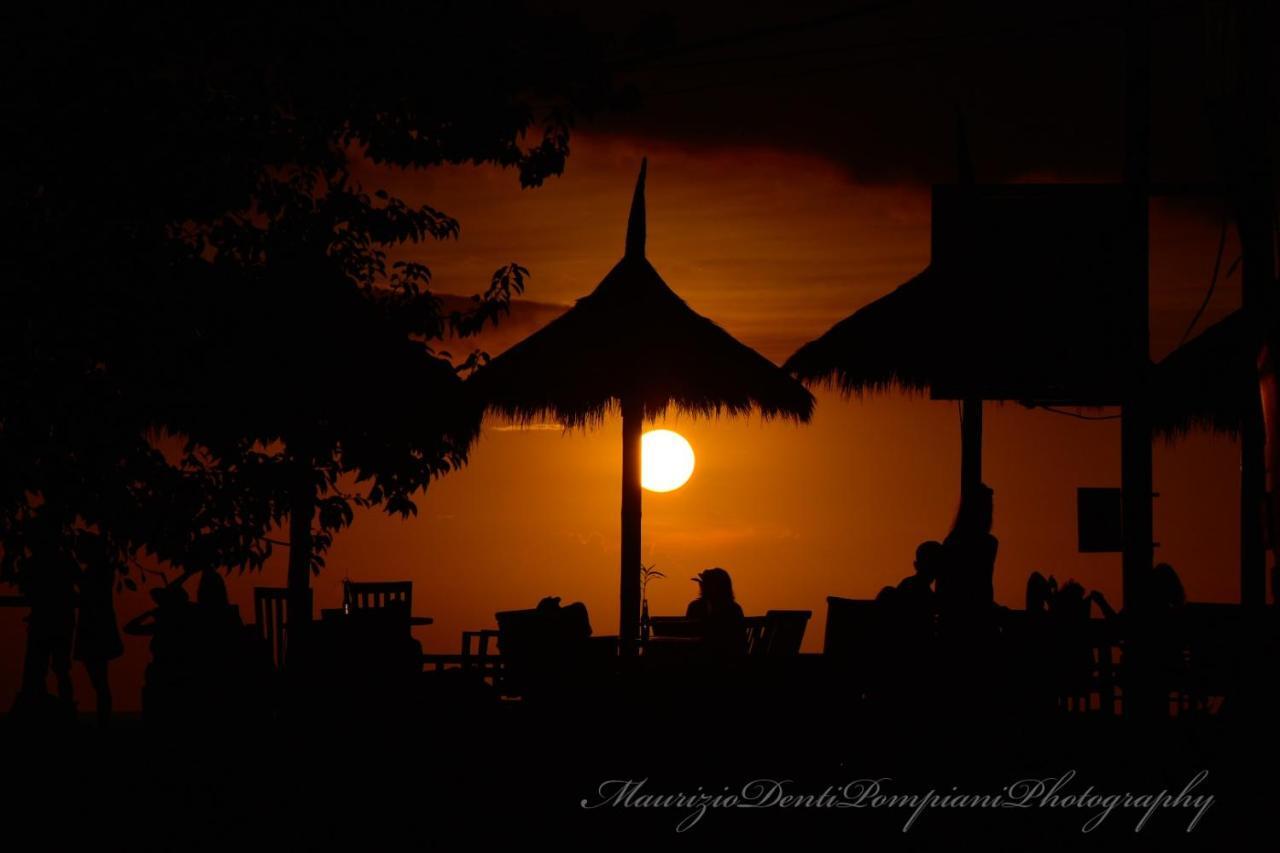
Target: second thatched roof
point(890, 342)
point(1024, 299)
point(634, 338)
point(1207, 382)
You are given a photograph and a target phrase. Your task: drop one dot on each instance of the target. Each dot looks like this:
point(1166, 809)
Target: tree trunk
point(629, 612)
point(301, 512)
point(1253, 493)
point(1135, 423)
point(970, 446)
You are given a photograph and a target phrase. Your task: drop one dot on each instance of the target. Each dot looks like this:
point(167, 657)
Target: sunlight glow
point(666, 460)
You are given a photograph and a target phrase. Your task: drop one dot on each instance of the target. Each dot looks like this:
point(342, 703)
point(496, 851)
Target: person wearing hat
point(724, 627)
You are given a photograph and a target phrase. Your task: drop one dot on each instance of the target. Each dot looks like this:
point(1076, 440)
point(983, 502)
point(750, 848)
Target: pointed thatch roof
point(888, 343)
point(1206, 382)
point(1023, 300)
point(634, 337)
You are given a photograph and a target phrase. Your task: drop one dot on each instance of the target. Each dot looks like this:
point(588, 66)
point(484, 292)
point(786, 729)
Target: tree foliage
point(197, 302)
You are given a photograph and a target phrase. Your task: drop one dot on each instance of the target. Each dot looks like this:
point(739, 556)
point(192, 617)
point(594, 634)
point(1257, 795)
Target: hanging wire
point(1213, 280)
point(1081, 415)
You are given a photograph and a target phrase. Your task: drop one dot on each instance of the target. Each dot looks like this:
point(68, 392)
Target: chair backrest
point(377, 595)
point(478, 643)
point(480, 655)
point(853, 627)
point(270, 609)
point(675, 626)
point(781, 634)
point(757, 637)
point(1212, 636)
point(543, 645)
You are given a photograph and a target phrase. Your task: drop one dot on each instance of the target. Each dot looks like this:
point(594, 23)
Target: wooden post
point(970, 407)
point(1253, 489)
point(1135, 426)
point(301, 513)
point(970, 446)
point(1250, 186)
point(629, 580)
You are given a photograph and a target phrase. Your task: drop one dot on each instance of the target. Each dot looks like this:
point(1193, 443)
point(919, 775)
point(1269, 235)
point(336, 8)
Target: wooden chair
point(853, 627)
point(861, 648)
point(270, 613)
point(377, 595)
point(477, 643)
point(757, 642)
point(1212, 635)
point(545, 649)
point(675, 626)
point(1106, 643)
point(369, 596)
point(781, 634)
point(479, 654)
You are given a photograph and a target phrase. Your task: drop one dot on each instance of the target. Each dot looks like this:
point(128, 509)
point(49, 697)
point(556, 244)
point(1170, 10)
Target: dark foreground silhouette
point(354, 745)
point(930, 714)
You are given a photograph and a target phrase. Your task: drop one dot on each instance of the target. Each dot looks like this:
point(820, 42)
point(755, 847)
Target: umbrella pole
point(302, 509)
point(629, 609)
point(970, 446)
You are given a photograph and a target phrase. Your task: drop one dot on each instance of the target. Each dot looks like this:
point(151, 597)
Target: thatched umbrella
point(1021, 301)
point(1223, 380)
point(910, 339)
point(1207, 381)
point(899, 340)
point(633, 345)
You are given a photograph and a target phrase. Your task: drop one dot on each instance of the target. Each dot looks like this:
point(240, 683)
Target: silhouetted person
point(1036, 647)
point(202, 659)
point(97, 635)
point(1154, 641)
point(219, 623)
point(912, 601)
point(223, 659)
point(546, 649)
point(1166, 588)
point(1040, 592)
point(568, 625)
point(1163, 592)
point(724, 630)
point(1070, 602)
point(917, 589)
point(1069, 612)
point(965, 579)
point(905, 662)
point(51, 594)
point(167, 682)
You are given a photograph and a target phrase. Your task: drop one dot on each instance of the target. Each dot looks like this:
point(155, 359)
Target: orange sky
point(775, 247)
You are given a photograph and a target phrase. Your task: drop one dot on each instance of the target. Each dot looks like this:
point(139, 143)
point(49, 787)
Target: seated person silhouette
point(1040, 593)
point(50, 590)
point(724, 631)
point(1164, 593)
point(913, 601)
point(1154, 643)
point(167, 678)
point(917, 589)
point(967, 566)
point(199, 651)
point(97, 635)
point(566, 625)
point(545, 648)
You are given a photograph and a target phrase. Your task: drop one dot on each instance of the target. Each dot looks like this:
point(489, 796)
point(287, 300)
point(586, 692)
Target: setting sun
point(666, 460)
